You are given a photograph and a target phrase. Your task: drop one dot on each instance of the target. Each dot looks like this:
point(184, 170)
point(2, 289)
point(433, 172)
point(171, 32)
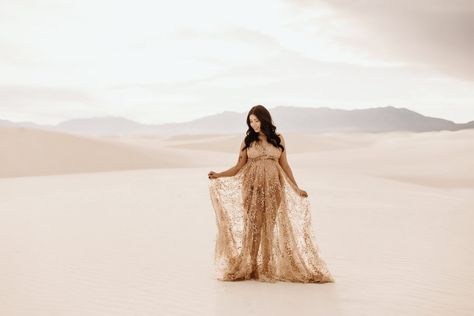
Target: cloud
point(50, 104)
point(289, 78)
point(435, 33)
point(19, 96)
point(156, 61)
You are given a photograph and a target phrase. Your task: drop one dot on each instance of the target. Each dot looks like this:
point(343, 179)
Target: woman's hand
point(213, 175)
point(302, 193)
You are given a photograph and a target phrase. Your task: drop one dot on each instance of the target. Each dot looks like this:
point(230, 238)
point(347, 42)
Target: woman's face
point(254, 123)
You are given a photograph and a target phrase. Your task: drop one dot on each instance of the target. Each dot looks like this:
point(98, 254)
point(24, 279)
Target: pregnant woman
point(264, 229)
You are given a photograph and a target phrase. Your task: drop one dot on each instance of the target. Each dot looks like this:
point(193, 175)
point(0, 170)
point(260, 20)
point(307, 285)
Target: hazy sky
point(168, 61)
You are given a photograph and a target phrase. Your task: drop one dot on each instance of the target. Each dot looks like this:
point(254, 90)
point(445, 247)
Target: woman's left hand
point(213, 175)
point(302, 193)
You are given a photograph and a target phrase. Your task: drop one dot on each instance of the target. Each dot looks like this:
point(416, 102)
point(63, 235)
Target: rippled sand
point(392, 214)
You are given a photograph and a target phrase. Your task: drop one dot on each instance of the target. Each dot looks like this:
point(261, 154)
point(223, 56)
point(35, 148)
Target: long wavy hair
point(266, 126)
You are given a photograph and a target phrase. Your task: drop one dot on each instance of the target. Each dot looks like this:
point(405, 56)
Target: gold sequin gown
point(264, 229)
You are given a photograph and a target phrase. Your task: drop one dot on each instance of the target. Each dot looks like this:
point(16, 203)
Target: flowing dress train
point(264, 229)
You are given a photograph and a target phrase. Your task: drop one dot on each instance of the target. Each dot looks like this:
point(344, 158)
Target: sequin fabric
point(264, 229)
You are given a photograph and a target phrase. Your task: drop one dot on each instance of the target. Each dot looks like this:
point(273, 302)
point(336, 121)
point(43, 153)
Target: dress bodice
point(263, 150)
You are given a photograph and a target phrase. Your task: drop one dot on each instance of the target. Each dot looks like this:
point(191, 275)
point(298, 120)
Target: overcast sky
point(171, 61)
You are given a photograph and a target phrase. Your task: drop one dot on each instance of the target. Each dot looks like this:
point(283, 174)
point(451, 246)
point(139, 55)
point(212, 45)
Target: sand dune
point(392, 214)
point(299, 143)
point(34, 152)
point(141, 243)
point(442, 159)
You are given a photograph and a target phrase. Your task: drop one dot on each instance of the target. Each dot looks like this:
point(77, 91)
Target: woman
point(263, 217)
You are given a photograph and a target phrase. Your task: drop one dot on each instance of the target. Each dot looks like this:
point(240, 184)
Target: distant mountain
point(225, 122)
point(19, 124)
point(381, 119)
point(288, 119)
point(323, 119)
point(108, 125)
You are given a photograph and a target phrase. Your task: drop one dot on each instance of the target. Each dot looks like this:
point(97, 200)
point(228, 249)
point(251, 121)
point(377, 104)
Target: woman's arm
point(242, 160)
point(284, 162)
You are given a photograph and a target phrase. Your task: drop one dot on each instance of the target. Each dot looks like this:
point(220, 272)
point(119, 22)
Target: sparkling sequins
point(263, 225)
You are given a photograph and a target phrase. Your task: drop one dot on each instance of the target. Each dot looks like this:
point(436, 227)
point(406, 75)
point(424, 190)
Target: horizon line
point(221, 112)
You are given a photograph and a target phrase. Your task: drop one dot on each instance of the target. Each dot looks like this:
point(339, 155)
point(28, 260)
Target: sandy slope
point(392, 214)
point(32, 152)
point(141, 243)
point(435, 158)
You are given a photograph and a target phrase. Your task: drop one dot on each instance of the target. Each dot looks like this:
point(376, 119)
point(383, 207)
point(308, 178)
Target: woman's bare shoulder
point(242, 145)
point(282, 139)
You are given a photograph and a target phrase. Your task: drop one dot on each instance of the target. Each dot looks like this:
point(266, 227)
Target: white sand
point(396, 231)
point(32, 152)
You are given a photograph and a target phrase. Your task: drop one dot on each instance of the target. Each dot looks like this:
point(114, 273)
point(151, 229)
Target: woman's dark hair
point(266, 126)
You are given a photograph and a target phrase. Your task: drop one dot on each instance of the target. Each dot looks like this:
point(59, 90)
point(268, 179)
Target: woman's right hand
point(213, 175)
point(302, 193)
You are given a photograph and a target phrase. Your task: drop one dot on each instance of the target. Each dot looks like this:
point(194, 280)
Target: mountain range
point(287, 119)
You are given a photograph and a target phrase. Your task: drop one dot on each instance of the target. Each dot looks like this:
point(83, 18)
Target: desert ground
point(124, 225)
